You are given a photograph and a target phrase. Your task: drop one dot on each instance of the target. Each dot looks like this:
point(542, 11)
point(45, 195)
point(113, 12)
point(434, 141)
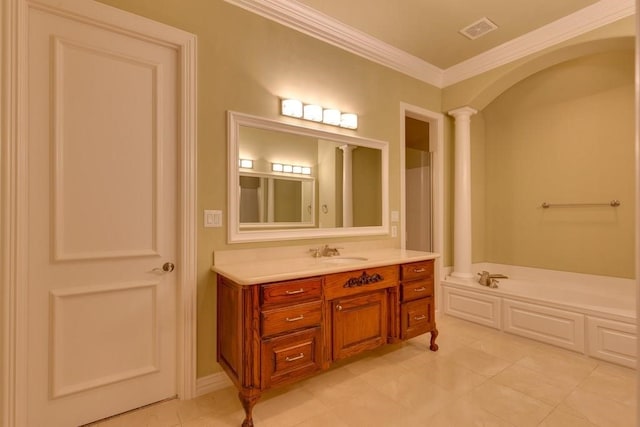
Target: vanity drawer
point(416, 317)
point(358, 281)
point(291, 357)
point(294, 291)
point(417, 289)
point(290, 318)
point(417, 270)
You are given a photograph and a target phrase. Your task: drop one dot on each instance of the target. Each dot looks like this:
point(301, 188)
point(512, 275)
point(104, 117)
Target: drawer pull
point(419, 270)
point(420, 289)
point(299, 291)
point(294, 358)
point(420, 317)
point(294, 319)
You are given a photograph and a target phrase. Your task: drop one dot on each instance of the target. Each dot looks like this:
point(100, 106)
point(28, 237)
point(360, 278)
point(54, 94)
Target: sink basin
point(343, 259)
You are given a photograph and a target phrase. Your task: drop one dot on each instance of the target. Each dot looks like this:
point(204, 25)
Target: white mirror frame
point(235, 235)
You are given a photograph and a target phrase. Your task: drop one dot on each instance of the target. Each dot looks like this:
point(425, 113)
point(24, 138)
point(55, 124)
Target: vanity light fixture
point(331, 117)
point(292, 108)
point(246, 163)
point(313, 112)
point(279, 167)
point(349, 120)
point(316, 113)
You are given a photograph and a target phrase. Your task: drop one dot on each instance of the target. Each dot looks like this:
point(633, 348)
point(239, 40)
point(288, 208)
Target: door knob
point(167, 267)
point(339, 307)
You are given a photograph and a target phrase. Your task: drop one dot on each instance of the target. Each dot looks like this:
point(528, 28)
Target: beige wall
point(245, 63)
point(478, 185)
point(564, 135)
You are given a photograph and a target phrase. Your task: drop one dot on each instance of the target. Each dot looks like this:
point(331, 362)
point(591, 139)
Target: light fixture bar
point(294, 108)
point(246, 163)
point(297, 169)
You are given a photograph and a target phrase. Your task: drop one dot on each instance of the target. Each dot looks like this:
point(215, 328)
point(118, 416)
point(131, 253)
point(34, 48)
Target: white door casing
point(436, 147)
point(98, 188)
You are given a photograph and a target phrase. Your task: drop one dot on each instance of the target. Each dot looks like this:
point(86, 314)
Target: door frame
point(436, 147)
point(14, 173)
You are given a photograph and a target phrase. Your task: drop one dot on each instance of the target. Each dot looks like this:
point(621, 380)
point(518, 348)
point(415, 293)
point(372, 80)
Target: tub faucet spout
point(487, 279)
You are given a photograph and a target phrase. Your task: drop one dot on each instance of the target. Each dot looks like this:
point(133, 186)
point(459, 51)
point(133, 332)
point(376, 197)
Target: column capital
point(463, 111)
point(347, 147)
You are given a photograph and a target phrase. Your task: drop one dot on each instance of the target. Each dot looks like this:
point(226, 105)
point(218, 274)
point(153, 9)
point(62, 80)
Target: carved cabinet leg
point(248, 400)
point(434, 334)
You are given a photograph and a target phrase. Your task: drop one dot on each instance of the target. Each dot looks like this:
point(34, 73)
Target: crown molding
point(315, 24)
point(322, 27)
point(589, 18)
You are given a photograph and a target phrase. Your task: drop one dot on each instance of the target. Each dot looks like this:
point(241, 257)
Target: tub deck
point(594, 315)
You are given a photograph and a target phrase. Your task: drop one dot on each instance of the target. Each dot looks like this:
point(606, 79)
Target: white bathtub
point(594, 315)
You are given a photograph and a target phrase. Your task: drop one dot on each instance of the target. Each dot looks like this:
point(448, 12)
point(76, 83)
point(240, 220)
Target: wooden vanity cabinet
point(278, 333)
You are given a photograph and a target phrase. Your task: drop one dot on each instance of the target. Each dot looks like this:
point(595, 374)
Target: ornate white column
point(462, 193)
point(347, 185)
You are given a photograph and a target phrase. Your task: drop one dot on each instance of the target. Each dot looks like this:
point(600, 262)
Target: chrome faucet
point(324, 251)
point(487, 279)
point(315, 252)
point(327, 251)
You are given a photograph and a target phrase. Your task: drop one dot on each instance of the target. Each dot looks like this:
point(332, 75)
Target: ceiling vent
point(478, 28)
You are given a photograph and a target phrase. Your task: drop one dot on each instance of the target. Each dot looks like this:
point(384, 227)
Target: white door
point(102, 193)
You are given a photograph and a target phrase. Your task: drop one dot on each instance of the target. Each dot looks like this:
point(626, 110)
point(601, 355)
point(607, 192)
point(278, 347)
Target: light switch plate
point(212, 218)
point(395, 216)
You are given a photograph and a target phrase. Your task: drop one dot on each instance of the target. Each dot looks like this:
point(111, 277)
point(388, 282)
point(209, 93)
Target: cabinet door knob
point(339, 307)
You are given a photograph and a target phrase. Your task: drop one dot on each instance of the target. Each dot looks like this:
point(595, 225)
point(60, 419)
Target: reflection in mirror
point(303, 183)
point(276, 201)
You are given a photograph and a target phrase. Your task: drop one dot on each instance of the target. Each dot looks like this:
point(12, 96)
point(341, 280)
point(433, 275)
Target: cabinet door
point(417, 289)
point(287, 319)
point(359, 323)
point(289, 358)
point(417, 317)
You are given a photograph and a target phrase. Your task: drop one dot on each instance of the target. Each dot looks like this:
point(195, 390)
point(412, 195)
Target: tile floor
point(479, 377)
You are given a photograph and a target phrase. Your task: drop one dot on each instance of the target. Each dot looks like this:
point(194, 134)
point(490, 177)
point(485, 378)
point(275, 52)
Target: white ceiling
point(420, 37)
point(428, 29)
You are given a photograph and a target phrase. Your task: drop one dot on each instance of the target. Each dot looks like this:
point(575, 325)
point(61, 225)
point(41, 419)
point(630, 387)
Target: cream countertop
point(253, 272)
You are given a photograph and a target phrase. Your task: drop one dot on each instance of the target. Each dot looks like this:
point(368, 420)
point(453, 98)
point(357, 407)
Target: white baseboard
point(212, 382)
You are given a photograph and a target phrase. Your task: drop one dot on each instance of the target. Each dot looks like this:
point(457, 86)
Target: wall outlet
point(394, 231)
point(212, 218)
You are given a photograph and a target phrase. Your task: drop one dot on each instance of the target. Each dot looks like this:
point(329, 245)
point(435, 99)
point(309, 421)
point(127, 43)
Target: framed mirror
point(292, 182)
